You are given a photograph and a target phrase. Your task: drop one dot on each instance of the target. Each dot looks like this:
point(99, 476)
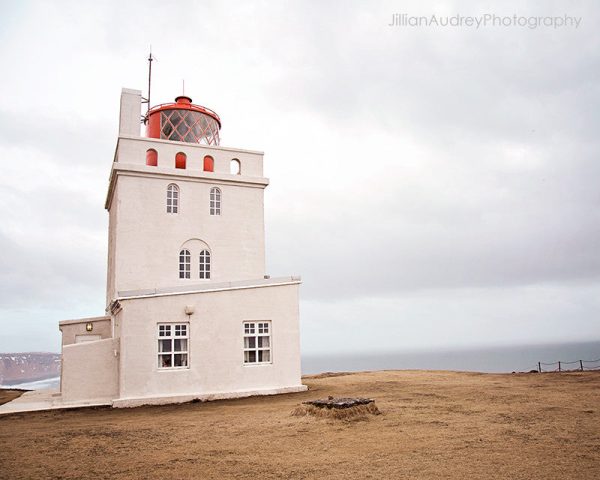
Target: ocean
point(490, 360)
point(53, 383)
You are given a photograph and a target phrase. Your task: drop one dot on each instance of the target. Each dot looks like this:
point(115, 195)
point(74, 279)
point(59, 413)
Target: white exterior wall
point(146, 240)
point(215, 346)
point(71, 329)
point(112, 239)
point(130, 112)
point(90, 371)
point(132, 150)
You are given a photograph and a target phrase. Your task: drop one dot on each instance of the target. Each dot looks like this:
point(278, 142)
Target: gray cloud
point(415, 172)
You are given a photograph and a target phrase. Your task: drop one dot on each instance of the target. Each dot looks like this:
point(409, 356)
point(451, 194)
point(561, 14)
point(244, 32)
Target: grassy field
point(433, 425)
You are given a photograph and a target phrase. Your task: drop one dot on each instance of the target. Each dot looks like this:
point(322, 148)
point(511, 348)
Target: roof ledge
point(208, 287)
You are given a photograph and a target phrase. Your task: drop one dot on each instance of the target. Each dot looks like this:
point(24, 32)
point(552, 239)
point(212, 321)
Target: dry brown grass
point(6, 395)
point(357, 412)
point(440, 425)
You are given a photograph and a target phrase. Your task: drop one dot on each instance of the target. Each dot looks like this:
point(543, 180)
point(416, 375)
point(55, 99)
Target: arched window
point(151, 157)
point(235, 167)
point(185, 260)
point(180, 159)
point(205, 264)
point(172, 198)
point(209, 164)
point(215, 201)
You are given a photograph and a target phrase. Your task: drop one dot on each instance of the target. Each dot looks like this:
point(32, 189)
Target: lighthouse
point(190, 312)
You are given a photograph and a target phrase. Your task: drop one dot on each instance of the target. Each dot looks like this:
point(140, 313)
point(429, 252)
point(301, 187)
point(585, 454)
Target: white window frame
point(172, 198)
point(185, 264)
point(168, 334)
point(254, 333)
point(204, 265)
point(215, 201)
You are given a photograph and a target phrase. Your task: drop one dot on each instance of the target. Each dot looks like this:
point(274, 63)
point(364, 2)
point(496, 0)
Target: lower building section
point(204, 397)
point(90, 371)
point(211, 342)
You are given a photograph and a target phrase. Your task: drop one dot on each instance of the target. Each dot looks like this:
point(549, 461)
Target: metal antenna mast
point(150, 59)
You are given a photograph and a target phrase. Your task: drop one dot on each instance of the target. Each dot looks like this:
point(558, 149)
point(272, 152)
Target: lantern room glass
point(188, 126)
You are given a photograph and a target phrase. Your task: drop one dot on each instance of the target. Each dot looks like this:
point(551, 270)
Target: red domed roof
point(183, 121)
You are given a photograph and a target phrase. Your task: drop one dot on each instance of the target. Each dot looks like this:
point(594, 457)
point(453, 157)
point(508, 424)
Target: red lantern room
point(183, 121)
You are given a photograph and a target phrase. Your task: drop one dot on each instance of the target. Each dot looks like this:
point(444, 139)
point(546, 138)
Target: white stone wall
point(132, 150)
point(216, 343)
point(112, 237)
point(70, 329)
point(90, 371)
point(145, 240)
point(130, 112)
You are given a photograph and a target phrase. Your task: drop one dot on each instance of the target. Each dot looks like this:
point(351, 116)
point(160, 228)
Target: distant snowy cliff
point(28, 367)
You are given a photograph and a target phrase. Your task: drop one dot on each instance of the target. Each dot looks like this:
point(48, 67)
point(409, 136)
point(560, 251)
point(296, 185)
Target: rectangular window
point(184, 264)
point(257, 342)
point(172, 198)
point(215, 201)
point(173, 345)
point(204, 265)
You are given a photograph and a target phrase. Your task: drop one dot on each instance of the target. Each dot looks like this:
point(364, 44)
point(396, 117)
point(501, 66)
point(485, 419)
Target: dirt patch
point(443, 425)
point(7, 395)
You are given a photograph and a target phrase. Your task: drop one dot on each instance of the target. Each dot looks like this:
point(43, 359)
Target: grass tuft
point(357, 412)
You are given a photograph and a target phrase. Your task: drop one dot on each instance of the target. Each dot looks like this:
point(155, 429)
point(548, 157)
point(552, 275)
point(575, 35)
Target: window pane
point(180, 345)
point(164, 330)
point(164, 345)
point(164, 361)
point(263, 342)
point(250, 357)
point(180, 360)
point(249, 342)
point(264, 355)
point(180, 330)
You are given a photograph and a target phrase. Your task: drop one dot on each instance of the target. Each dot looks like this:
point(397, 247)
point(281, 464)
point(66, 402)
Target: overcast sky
point(433, 186)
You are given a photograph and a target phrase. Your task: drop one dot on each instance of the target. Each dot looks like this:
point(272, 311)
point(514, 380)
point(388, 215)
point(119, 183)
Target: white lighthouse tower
point(190, 312)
